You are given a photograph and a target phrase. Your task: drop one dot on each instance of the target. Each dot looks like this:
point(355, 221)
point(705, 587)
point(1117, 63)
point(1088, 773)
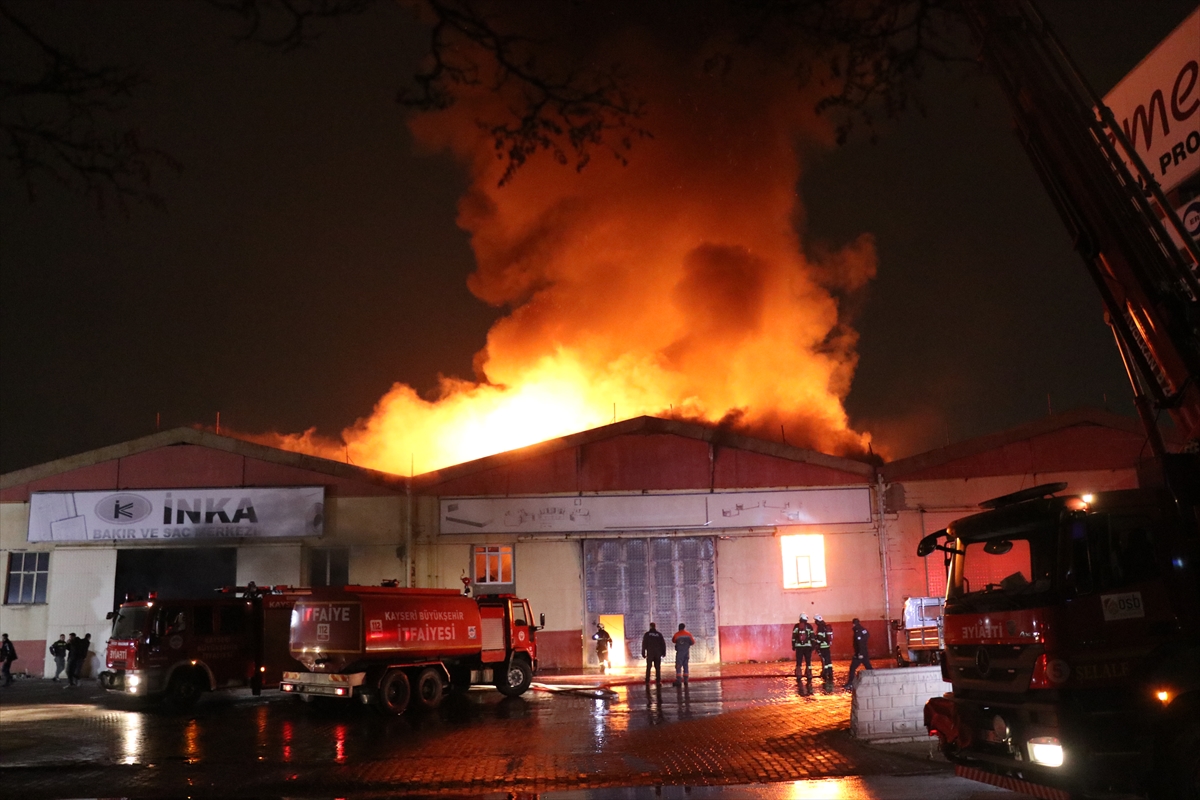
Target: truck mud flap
point(1012, 784)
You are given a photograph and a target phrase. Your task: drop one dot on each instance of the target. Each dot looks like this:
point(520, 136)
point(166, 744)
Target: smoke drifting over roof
point(675, 284)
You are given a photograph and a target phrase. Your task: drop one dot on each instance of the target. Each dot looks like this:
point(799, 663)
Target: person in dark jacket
point(76, 652)
point(603, 641)
point(862, 639)
point(802, 643)
point(8, 654)
point(654, 647)
point(58, 651)
point(824, 639)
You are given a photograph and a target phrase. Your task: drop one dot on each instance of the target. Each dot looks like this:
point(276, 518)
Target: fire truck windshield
point(1002, 572)
point(130, 623)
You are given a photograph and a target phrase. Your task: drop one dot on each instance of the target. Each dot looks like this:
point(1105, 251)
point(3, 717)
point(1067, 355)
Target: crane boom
point(1150, 289)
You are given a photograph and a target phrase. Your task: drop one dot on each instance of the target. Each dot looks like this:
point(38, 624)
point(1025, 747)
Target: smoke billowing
point(674, 285)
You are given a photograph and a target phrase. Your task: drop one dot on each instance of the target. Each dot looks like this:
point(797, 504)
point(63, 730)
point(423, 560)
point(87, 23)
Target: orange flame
point(676, 285)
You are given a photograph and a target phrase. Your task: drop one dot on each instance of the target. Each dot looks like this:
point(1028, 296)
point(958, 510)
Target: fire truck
point(177, 649)
point(385, 645)
point(1072, 621)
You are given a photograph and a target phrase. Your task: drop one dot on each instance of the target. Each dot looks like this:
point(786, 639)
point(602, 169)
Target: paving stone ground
point(736, 724)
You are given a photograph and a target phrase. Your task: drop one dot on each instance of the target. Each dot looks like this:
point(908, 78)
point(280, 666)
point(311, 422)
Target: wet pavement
point(735, 726)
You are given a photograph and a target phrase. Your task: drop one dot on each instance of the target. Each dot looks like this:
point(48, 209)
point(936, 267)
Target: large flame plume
point(676, 285)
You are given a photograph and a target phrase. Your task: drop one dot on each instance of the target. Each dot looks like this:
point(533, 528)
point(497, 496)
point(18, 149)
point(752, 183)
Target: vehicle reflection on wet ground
point(744, 731)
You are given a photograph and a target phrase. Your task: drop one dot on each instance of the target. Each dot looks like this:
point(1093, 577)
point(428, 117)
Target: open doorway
point(615, 625)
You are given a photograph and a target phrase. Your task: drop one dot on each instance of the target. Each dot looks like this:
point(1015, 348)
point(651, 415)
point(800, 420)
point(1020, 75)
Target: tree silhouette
point(61, 118)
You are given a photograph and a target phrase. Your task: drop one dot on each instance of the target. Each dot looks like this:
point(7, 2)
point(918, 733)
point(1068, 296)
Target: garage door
point(665, 581)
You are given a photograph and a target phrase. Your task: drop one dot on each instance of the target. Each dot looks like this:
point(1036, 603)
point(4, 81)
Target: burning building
point(643, 520)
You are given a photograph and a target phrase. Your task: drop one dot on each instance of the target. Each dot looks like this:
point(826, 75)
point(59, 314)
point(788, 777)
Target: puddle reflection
point(131, 738)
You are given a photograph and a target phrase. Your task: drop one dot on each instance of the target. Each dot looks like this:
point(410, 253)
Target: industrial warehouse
point(643, 520)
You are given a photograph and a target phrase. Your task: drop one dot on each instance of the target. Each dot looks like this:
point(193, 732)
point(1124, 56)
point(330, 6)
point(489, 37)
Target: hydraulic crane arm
point(1150, 290)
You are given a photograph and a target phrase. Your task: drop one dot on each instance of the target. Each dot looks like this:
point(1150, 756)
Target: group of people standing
point(654, 649)
point(70, 654)
point(805, 638)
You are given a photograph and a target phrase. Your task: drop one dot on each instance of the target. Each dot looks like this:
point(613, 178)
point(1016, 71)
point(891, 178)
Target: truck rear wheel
point(394, 692)
point(184, 690)
point(429, 688)
point(513, 681)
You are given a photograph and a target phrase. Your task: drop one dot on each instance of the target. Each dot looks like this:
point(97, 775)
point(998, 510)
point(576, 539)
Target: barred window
point(803, 561)
point(28, 574)
point(494, 563)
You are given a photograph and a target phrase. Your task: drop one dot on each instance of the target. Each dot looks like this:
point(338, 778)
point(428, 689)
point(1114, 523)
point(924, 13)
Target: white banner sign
point(657, 511)
point(1158, 106)
point(175, 515)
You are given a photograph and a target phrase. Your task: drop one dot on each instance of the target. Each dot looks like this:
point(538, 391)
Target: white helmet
point(804, 617)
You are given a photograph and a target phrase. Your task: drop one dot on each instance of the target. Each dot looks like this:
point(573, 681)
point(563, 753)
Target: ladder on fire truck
point(1150, 289)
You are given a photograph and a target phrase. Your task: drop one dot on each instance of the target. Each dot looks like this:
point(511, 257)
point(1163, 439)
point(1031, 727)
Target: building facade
point(639, 521)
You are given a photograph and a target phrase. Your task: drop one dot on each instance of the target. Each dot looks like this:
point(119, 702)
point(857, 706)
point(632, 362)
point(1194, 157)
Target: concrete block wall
point(889, 704)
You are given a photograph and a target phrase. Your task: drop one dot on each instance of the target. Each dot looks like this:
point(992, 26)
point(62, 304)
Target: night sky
point(308, 258)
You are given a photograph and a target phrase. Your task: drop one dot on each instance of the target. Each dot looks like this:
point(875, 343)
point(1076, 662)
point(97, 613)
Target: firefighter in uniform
point(802, 643)
point(603, 642)
point(824, 637)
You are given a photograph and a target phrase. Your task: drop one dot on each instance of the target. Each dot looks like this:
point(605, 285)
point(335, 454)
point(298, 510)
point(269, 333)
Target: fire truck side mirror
point(928, 544)
point(541, 621)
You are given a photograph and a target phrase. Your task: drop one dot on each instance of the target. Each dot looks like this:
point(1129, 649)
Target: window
point(803, 561)
point(27, 577)
point(233, 619)
point(494, 563)
point(203, 616)
point(329, 567)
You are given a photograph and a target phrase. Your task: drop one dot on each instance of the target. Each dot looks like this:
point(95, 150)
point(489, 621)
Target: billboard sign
point(666, 511)
point(176, 515)
point(1157, 105)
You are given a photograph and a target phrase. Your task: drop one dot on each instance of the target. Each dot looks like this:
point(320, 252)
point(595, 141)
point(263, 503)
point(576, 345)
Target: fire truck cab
point(177, 649)
point(1071, 642)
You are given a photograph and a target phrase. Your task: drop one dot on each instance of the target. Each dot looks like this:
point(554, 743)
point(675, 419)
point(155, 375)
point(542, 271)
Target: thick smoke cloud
point(676, 284)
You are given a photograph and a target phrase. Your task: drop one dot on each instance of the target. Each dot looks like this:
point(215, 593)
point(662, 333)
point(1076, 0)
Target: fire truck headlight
point(133, 681)
point(1045, 750)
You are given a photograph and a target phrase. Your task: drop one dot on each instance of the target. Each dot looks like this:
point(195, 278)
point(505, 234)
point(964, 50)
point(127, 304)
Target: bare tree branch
point(57, 120)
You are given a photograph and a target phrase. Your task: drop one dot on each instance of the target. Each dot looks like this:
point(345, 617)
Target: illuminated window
point(803, 561)
point(27, 576)
point(494, 563)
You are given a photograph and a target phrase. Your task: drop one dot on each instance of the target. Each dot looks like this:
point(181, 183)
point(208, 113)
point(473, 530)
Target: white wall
point(82, 583)
point(550, 575)
point(269, 565)
point(750, 579)
point(889, 704)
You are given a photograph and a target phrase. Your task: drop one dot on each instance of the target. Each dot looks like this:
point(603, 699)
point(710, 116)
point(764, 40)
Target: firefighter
point(824, 637)
point(862, 638)
point(603, 642)
point(802, 643)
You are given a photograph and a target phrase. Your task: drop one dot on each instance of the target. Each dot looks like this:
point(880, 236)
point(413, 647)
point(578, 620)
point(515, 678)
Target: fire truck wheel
point(393, 692)
point(184, 690)
point(429, 688)
point(516, 679)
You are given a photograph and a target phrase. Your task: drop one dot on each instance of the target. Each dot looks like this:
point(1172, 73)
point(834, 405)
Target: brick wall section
point(889, 704)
